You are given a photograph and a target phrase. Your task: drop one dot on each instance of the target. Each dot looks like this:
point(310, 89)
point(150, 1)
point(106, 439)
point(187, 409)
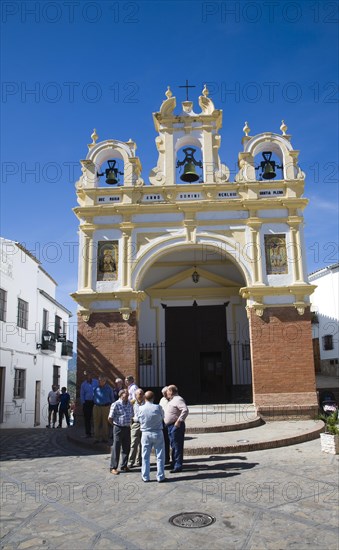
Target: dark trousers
point(88, 411)
point(176, 437)
point(63, 412)
point(121, 441)
point(167, 444)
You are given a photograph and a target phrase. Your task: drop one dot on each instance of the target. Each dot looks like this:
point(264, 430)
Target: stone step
point(221, 418)
point(267, 436)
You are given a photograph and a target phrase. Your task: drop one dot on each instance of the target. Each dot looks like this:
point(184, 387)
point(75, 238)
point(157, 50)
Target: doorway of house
point(37, 403)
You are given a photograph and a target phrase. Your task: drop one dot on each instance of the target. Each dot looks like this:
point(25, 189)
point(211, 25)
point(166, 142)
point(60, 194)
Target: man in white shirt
point(135, 452)
point(131, 387)
point(163, 404)
point(53, 399)
point(175, 415)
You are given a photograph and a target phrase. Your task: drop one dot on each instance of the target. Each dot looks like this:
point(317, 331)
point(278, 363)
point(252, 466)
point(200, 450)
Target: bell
point(111, 176)
point(268, 171)
point(189, 174)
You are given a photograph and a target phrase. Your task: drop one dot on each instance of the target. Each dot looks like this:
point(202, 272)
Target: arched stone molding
point(156, 250)
point(279, 145)
point(107, 150)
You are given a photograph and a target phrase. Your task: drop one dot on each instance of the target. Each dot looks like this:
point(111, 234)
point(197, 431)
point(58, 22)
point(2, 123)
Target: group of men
point(138, 425)
point(58, 402)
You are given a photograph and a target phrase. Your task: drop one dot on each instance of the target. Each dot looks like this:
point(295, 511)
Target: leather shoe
point(176, 471)
point(125, 469)
point(115, 472)
point(162, 480)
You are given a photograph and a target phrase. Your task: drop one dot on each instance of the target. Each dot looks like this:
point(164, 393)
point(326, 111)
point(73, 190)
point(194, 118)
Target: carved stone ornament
point(300, 307)
point(259, 309)
point(125, 313)
point(222, 174)
point(157, 177)
point(85, 315)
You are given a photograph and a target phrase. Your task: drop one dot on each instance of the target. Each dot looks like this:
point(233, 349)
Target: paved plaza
point(55, 494)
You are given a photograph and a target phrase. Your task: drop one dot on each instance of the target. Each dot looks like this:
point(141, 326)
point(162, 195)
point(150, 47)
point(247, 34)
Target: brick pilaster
point(107, 345)
point(282, 363)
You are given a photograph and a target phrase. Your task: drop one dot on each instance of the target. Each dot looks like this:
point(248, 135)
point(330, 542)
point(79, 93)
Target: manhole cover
point(192, 520)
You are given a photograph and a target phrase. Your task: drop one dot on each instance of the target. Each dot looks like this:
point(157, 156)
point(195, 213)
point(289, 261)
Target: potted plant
point(330, 438)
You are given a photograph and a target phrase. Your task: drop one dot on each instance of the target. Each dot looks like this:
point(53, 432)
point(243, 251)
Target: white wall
point(325, 302)
point(22, 277)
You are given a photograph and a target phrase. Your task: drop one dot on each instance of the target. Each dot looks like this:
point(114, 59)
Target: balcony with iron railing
point(66, 345)
point(48, 341)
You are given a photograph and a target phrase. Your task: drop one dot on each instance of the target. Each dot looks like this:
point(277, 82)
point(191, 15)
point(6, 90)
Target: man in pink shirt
point(175, 415)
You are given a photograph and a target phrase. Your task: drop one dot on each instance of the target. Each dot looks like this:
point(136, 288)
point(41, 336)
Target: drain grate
point(192, 520)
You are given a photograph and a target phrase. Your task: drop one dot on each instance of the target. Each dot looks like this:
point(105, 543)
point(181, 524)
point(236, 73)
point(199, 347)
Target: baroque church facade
point(190, 278)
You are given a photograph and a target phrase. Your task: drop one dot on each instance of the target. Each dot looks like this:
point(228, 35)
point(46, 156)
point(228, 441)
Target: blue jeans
point(176, 437)
point(149, 440)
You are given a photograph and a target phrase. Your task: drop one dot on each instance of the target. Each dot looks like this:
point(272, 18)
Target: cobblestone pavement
point(57, 495)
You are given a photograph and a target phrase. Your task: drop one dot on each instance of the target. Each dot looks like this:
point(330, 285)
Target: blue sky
point(69, 67)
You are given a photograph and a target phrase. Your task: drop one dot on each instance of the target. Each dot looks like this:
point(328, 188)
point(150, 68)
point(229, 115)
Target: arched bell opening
point(193, 327)
point(111, 172)
point(268, 166)
point(189, 165)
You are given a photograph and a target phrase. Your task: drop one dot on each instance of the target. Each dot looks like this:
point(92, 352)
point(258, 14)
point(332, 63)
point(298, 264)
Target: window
point(45, 319)
point(3, 304)
point(57, 326)
point(56, 375)
point(327, 342)
point(22, 320)
point(19, 383)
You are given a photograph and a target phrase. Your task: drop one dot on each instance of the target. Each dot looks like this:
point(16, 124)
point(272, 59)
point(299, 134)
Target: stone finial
point(168, 93)
point(246, 129)
point(94, 137)
point(283, 128)
point(205, 91)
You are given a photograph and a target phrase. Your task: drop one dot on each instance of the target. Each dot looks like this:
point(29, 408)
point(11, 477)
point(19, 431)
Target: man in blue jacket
point(102, 397)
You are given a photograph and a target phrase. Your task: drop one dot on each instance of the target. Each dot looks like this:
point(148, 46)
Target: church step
point(221, 418)
point(267, 436)
point(210, 425)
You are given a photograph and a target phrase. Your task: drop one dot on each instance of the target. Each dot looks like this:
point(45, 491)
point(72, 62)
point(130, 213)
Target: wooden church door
point(198, 358)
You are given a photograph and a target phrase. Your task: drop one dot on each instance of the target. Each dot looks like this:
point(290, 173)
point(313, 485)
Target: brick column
point(282, 363)
point(107, 345)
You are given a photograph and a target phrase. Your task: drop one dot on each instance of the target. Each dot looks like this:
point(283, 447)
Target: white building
point(326, 319)
point(34, 345)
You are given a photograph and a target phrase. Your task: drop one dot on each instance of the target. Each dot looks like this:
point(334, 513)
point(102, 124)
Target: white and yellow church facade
point(190, 278)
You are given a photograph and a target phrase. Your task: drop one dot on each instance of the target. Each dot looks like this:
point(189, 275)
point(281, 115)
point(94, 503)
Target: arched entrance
point(193, 327)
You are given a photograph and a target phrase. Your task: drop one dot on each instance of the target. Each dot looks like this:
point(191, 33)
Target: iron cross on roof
point(187, 86)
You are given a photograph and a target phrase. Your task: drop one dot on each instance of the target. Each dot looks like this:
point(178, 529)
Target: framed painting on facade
point(276, 254)
point(107, 261)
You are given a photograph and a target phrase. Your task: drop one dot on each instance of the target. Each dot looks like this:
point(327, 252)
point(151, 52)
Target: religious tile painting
point(107, 261)
point(276, 254)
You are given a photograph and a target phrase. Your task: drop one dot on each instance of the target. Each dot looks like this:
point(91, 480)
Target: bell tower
point(197, 132)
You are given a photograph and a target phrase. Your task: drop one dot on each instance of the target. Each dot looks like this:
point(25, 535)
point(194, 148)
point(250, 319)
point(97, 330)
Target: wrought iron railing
point(152, 364)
